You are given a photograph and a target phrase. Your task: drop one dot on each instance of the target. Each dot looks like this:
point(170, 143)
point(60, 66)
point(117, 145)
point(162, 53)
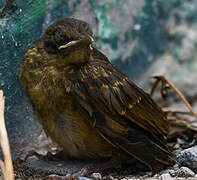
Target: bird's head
point(70, 40)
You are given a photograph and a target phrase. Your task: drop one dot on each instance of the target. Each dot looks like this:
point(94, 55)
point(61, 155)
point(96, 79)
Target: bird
point(86, 105)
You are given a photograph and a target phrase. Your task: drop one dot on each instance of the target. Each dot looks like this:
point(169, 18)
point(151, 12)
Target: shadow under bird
point(86, 105)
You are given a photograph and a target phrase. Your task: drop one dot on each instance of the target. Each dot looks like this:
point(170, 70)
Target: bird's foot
point(59, 156)
point(83, 172)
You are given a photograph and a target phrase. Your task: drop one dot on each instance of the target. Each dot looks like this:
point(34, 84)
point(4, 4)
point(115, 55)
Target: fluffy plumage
point(86, 105)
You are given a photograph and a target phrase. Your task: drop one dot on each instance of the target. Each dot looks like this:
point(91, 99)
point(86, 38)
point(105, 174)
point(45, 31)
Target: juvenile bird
point(86, 105)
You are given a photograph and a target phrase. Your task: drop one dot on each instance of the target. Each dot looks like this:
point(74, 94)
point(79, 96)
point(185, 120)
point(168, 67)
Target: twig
point(181, 122)
point(156, 83)
point(2, 167)
point(7, 167)
point(176, 111)
point(163, 79)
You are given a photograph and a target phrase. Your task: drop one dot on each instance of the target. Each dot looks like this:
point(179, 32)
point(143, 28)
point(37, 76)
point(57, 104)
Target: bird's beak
point(88, 40)
point(92, 40)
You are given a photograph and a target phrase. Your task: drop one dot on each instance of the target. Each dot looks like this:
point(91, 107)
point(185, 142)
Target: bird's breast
point(56, 110)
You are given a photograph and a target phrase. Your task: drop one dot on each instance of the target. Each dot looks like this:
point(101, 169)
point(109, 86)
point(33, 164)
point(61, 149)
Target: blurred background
point(141, 37)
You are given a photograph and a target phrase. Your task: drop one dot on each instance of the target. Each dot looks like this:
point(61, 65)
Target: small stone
point(184, 172)
point(110, 178)
point(59, 165)
point(96, 176)
point(172, 173)
point(176, 167)
point(83, 178)
point(192, 178)
point(156, 176)
point(188, 158)
point(166, 176)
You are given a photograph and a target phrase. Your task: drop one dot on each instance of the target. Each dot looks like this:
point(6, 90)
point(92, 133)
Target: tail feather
point(143, 149)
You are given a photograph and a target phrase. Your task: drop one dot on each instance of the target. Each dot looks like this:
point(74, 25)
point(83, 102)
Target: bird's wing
point(121, 112)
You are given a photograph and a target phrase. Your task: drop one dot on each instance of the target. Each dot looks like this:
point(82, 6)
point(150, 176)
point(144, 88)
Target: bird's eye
point(84, 28)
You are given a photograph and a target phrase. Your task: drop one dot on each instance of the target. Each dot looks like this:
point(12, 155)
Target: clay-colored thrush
point(86, 105)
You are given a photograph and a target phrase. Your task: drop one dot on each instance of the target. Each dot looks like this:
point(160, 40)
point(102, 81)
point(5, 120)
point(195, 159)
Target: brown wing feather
point(121, 112)
point(128, 100)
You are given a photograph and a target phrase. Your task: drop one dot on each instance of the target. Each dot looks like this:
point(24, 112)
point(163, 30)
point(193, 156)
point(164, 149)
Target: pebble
point(172, 173)
point(96, 176)
point(188, 158)
point(109, 178)
point(166, 176)
point(83, 178)
point(184, 172)
point(192, 178)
